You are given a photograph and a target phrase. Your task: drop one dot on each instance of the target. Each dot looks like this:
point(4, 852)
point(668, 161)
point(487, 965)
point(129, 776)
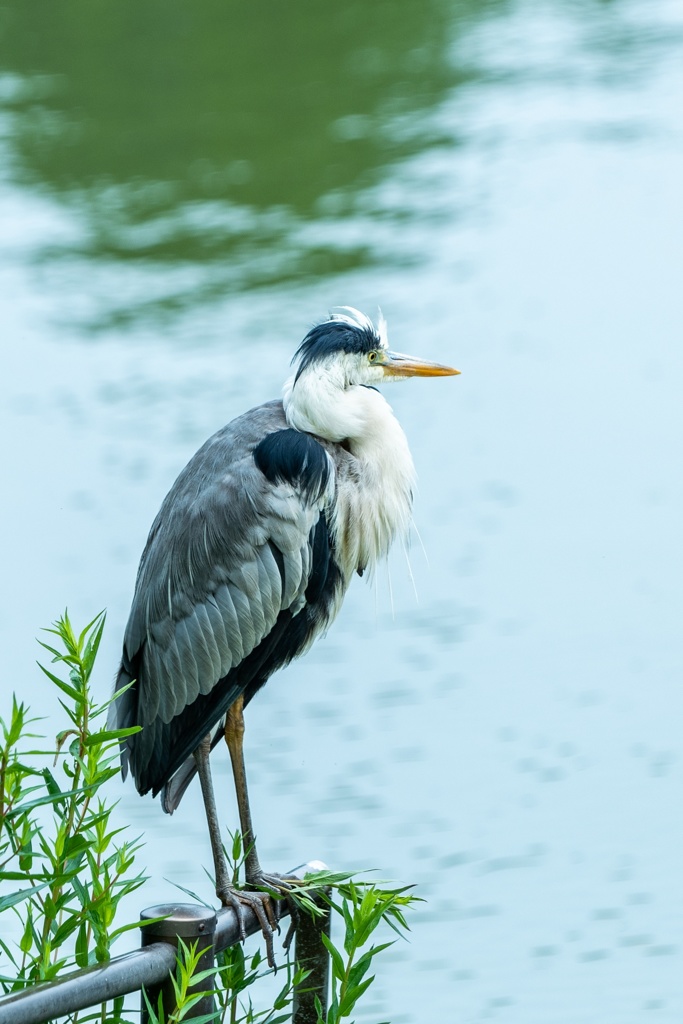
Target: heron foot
point(261, 897)
point(282, 886)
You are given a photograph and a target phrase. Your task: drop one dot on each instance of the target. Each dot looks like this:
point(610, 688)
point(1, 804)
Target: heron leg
point(255, 876)
point(201, 756)
point(227, 893)
point(234, 737)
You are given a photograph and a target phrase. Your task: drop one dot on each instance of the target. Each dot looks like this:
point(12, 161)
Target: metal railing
point(153, 965)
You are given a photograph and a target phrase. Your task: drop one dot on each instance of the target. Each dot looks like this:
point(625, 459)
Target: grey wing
point(231, 549)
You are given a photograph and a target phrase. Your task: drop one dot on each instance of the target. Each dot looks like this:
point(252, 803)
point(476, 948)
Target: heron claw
point(283, 886)
point(230, 898)
point(293, 923)
point(264, 888)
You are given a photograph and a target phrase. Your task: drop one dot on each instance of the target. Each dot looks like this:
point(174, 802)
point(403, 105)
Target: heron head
point(350, 348)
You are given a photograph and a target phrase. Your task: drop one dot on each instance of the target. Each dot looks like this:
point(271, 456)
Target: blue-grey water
point(183, 190)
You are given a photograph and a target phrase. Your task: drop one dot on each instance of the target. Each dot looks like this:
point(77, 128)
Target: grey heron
point(248, 561)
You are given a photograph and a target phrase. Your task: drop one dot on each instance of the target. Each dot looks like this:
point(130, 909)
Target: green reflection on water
point(220, 133)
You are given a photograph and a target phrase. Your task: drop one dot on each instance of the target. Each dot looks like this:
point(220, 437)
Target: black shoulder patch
point(296, 458)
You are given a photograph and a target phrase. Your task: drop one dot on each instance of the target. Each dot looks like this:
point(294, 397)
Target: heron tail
point(172, 792)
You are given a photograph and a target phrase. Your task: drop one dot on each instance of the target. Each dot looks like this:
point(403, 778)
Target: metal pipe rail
point(154, 963)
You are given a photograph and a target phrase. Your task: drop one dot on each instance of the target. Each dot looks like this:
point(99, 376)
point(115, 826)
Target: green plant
point(58, 851)
point(185, 987)
point(361, 906)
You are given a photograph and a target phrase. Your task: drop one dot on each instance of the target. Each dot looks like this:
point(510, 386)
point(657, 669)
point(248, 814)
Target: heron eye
point(372, 357)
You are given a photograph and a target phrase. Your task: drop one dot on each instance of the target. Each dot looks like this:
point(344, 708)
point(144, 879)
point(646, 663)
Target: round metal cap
point(186, 920)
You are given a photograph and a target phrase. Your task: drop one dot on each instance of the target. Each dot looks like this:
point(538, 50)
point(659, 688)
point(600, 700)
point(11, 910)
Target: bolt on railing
point(152, 966)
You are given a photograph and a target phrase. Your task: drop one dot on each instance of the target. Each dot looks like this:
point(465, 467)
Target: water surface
point(184, 190)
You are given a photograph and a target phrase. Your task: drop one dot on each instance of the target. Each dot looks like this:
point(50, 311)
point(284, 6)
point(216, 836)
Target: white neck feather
point(322, 403)
point(373, 500)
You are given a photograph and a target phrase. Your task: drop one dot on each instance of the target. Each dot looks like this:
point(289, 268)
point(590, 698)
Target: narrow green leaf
point(93, 643)
point(27, 938)
point(56, 654)
point(17, 724)
point(117, 695)
point(337, 961)
point(41, 802)
point(110, 734)
point(351, 997)
point(51, 783)
point(8, 953)
point(62, 933)
point(76, 844)
point(82, 945)
point(13, 898)
point(205, 1018)
point(64, 687)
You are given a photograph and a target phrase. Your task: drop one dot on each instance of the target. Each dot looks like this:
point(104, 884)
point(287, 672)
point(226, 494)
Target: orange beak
point(397, 365)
